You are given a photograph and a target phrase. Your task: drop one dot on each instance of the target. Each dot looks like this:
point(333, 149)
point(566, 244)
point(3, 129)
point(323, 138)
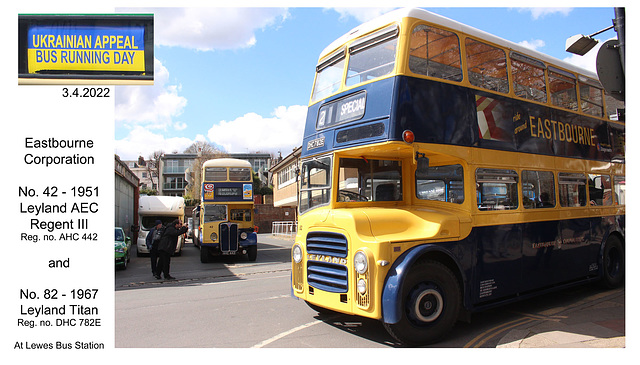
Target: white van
point(163, 208)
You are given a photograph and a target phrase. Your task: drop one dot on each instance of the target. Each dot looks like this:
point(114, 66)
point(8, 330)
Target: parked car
point(123, 249)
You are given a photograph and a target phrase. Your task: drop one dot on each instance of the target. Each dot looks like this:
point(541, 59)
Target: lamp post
point(611, 56)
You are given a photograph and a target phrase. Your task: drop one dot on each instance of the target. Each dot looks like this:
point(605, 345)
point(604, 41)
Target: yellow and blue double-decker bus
point(445, 171)
point(225, 214)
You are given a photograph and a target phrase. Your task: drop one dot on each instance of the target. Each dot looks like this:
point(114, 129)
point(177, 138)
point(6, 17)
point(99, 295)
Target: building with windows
point(285, 180)
point(176, 169)
point(173, 171)
point(146, 173)
point(260, 163)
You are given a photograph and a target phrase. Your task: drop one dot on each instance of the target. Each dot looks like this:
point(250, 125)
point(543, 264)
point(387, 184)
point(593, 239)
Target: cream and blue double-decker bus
point(445, 171)
point(225, 214)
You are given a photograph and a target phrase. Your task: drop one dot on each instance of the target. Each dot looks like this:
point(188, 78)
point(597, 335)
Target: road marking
point(284, 334)
point(258, 299)
point(495, 331)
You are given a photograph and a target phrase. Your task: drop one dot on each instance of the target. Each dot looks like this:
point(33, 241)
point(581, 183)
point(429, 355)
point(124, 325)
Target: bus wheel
point(252, 253)
point(205, 257)
point(431, 301)
point(612, 263)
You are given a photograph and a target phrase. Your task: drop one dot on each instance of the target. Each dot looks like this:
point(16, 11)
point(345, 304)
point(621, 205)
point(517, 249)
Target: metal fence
point(285, 229)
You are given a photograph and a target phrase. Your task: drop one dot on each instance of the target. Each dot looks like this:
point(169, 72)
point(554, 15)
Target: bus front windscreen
point(315, 183)
point(215, 213)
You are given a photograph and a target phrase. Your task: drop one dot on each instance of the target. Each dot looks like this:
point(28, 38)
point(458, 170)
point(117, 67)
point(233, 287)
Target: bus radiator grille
point(327, 276)
point(229, 237)
point(327, 244)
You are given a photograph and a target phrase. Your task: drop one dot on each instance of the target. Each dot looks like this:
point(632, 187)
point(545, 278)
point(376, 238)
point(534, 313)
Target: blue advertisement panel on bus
point(226, 192)
point(459, 116)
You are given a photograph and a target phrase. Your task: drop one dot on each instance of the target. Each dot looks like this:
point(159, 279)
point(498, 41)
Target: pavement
point(595, 321)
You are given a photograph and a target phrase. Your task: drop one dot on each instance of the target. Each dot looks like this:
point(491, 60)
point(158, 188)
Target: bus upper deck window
point(435, 52)
point(528, 77)
point(239, 174)
point(562, 88)
point(215, 174)
point(328, 76)
point(487, 66)
point(373, 56)
point(591, 97)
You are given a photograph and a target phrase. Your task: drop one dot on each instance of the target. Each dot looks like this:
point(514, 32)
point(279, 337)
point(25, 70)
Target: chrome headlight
point(360, 262)
point(297, 254)
point(243, 235)
point(214, 236)
point(362, 286)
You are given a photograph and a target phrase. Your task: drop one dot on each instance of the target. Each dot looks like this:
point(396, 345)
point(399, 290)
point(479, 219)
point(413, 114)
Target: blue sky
point(240, 78)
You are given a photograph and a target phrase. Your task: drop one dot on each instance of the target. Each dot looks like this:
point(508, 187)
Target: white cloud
point(180, 126)
point(249, 133)
point(361, 14)
point(154, 106)
point(253, 133)
point(534, 44)
point(143, 142)
point(537, 13)
point(208, 29)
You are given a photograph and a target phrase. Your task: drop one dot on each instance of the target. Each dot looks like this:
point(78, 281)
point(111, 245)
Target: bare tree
point(204, 148)
point(206, 151)
point(153, 167)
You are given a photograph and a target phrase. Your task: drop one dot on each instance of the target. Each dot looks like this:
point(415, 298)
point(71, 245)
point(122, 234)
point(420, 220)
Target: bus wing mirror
point(423, 162)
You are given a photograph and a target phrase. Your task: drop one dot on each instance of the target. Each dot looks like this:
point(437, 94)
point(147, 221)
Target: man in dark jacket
point(167, 246)
point(153, 240)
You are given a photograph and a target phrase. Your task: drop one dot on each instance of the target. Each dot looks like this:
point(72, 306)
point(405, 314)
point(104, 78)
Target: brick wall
point(267, 214)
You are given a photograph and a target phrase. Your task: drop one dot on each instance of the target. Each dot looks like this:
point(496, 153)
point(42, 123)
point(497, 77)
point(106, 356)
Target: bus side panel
point(546, 260)
point(436, 112)
point(439, 112)
point(377, 111)
point(499, 260)
point(524, 258)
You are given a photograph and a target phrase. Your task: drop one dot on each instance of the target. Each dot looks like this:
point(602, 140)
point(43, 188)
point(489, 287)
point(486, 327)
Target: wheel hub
point(426, 304)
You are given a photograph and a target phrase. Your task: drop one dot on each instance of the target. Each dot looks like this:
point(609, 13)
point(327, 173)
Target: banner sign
point(227, 192)
point(86, 48)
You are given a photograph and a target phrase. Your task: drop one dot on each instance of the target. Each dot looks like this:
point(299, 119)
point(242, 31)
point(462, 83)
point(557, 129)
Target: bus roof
point(161, 205)
point(430, 17)
point(226, 162)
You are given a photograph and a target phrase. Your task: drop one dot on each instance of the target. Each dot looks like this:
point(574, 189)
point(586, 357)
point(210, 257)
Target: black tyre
point(431, 302)
point(205, 257)
point(612, 263)
point(252, 253)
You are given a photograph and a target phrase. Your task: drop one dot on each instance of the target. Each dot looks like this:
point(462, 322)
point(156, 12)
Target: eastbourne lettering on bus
point(561, 131)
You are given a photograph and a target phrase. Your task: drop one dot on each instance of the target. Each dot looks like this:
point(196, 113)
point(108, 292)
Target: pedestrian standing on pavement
point(167, 246)
point(153, 240)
